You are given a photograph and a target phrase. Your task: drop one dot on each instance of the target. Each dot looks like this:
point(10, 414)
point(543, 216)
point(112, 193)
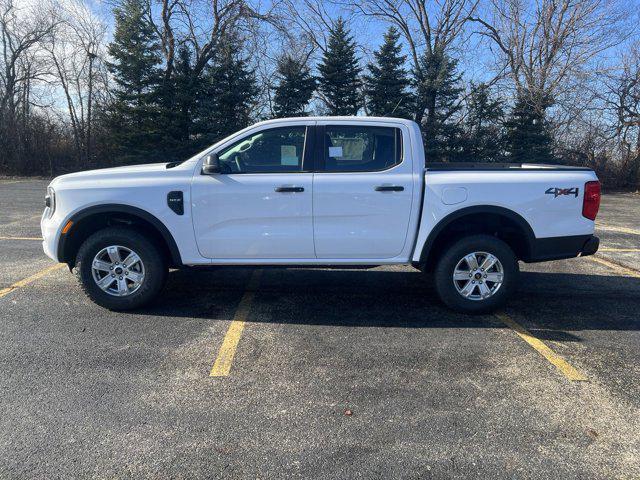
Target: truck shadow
point(549, 304)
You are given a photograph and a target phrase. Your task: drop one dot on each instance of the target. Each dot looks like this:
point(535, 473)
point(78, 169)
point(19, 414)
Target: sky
point(474, 55)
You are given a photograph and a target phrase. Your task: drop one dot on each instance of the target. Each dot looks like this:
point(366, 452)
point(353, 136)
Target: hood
point(131, 171)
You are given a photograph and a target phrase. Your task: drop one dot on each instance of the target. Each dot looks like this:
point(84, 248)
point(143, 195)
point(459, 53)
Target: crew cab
point(323, 191)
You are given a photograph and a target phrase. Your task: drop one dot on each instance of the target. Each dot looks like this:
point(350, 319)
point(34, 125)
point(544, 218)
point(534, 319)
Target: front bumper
point(557, 248)
point(50, 228)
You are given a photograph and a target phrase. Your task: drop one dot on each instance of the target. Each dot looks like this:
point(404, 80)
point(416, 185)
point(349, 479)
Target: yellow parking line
point(227, 351)
point(611, 228)
point(618, 268)
point(605, 249)
point(560, 363)
point(32, 278)
point(21, 238)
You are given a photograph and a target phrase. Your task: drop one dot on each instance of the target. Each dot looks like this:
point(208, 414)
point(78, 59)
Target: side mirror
point(211, 164)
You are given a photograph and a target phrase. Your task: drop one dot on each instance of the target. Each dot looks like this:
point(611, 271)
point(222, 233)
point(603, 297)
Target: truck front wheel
point(476, 274)
point(120, 269)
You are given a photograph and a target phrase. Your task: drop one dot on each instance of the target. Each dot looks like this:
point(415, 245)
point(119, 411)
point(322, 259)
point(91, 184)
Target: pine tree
point(339, 81)
point(178, 102)
point(386, 87)
point(438, 92)
point(295, 88)
point(484, 136)
point(133, 127)
point(227, 97)
point(528, 138)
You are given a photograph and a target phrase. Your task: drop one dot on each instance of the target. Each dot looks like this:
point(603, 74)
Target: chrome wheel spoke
point(488, 262)
point(472, 261)
point(468, 289)
point(485, 291)
point(122, 286)
point(114, 254)
point(101, 265)
point(105, 282)
point(131, 260)
point(461, 275)
point(135, 277)
point(493, 277)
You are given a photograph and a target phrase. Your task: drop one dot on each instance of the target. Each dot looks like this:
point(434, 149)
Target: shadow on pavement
point(549, 304)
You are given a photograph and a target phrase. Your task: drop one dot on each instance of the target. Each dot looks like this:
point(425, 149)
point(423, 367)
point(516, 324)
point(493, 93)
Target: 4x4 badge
point(556, 192)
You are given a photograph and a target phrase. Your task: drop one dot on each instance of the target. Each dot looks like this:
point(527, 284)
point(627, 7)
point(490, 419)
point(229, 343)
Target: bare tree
point(621, 97)
point(200, 24)
point(624, 96)
point(23, 28)
point(76, 49)
point(308, 23)
point(545, 44)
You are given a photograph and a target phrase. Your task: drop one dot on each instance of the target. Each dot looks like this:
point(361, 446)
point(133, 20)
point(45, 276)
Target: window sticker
point(335, 151)
point(288, 155)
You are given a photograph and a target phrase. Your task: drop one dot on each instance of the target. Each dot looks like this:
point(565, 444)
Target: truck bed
point(461, 166)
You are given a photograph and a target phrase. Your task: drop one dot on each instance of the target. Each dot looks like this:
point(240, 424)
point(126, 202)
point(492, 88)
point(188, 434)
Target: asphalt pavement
point(329, 373)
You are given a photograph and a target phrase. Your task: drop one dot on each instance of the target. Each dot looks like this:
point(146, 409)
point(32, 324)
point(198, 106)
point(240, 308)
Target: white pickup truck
point(325, 191)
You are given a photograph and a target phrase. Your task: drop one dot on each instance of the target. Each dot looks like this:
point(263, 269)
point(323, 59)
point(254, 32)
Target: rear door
point(362, 190)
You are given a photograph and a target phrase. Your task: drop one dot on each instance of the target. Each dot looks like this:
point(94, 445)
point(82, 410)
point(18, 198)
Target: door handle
point(289, 189)
point(389, 188)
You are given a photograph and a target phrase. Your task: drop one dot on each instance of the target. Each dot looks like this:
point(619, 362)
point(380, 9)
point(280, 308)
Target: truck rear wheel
point(477, 274)
point(120, 269)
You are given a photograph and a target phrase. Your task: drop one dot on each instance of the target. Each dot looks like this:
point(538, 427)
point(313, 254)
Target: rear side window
point(360, 148)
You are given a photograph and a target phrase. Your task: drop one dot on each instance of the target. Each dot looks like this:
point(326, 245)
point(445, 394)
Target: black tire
point(443, 274)
point(155, 267)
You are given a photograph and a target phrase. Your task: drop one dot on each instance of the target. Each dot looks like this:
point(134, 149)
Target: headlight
point(50, 201)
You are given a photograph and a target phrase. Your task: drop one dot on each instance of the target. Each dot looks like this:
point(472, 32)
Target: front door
point(362, 191)
point(260, 205)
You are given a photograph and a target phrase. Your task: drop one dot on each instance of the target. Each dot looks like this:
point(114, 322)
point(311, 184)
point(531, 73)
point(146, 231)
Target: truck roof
point(353, 118)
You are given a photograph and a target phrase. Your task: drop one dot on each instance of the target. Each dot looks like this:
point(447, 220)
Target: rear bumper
point(557, 248)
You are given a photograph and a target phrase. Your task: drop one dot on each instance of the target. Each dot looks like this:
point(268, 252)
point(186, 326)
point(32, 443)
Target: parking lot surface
point(312, 373)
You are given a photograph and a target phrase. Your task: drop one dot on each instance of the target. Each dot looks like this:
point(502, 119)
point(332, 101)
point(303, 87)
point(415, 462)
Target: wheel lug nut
point(113, 274)
point(485, 275)
point(473, 282)
point(127, 273)
point(120, 278)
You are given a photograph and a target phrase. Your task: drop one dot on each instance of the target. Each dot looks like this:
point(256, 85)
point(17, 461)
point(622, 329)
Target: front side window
point(361, 148)
point(277, 150)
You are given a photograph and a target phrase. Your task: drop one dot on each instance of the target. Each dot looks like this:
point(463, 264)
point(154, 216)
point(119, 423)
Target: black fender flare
point(166, 235)
point(479, 209)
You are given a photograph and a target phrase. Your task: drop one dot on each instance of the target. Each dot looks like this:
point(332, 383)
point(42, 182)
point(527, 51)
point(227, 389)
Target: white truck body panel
point(240, 216)
point(354, 221)
point(141, 186)
point(519, 191)
point(338, 219)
